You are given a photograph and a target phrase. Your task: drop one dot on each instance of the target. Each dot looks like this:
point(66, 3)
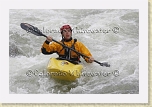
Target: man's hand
point(91, 59)
point(49, 38)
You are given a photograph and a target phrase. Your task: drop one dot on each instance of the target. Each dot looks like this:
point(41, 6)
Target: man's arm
point(48, 48)
point(84, 50)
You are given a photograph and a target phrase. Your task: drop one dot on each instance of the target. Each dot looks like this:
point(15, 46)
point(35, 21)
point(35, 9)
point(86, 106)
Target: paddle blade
point(105, 64)
point(31, 29)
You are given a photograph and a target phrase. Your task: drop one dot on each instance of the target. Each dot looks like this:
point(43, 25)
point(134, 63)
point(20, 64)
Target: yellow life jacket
point(65, 53)
point(68, 54)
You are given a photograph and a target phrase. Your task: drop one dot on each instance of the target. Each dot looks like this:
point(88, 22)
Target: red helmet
point(65, 27)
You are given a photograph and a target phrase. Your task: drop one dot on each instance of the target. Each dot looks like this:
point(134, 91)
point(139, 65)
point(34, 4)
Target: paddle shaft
point(37, 32)
point(73, 50)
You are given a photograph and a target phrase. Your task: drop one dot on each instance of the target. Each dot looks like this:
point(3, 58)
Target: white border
point(142, 97)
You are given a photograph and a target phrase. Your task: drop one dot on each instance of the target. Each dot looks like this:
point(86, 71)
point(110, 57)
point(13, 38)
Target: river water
point(111, 35)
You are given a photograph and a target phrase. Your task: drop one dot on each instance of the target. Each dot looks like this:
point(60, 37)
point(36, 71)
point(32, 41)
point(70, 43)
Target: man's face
point(67, 34)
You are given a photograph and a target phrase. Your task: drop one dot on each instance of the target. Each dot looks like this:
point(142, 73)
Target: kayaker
point(65, 53)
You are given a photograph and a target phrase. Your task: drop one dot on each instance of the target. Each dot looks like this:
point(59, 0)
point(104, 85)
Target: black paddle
point(36, 31)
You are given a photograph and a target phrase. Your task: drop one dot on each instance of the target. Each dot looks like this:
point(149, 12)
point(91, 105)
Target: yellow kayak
point(63, 69)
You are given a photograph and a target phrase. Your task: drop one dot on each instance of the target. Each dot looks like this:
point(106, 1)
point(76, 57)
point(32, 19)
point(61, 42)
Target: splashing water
point(111, 35)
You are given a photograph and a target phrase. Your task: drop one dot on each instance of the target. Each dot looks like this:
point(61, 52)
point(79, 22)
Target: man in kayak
point(63, 52)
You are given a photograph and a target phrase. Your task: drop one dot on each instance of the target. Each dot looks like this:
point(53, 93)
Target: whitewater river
point(111, 35)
